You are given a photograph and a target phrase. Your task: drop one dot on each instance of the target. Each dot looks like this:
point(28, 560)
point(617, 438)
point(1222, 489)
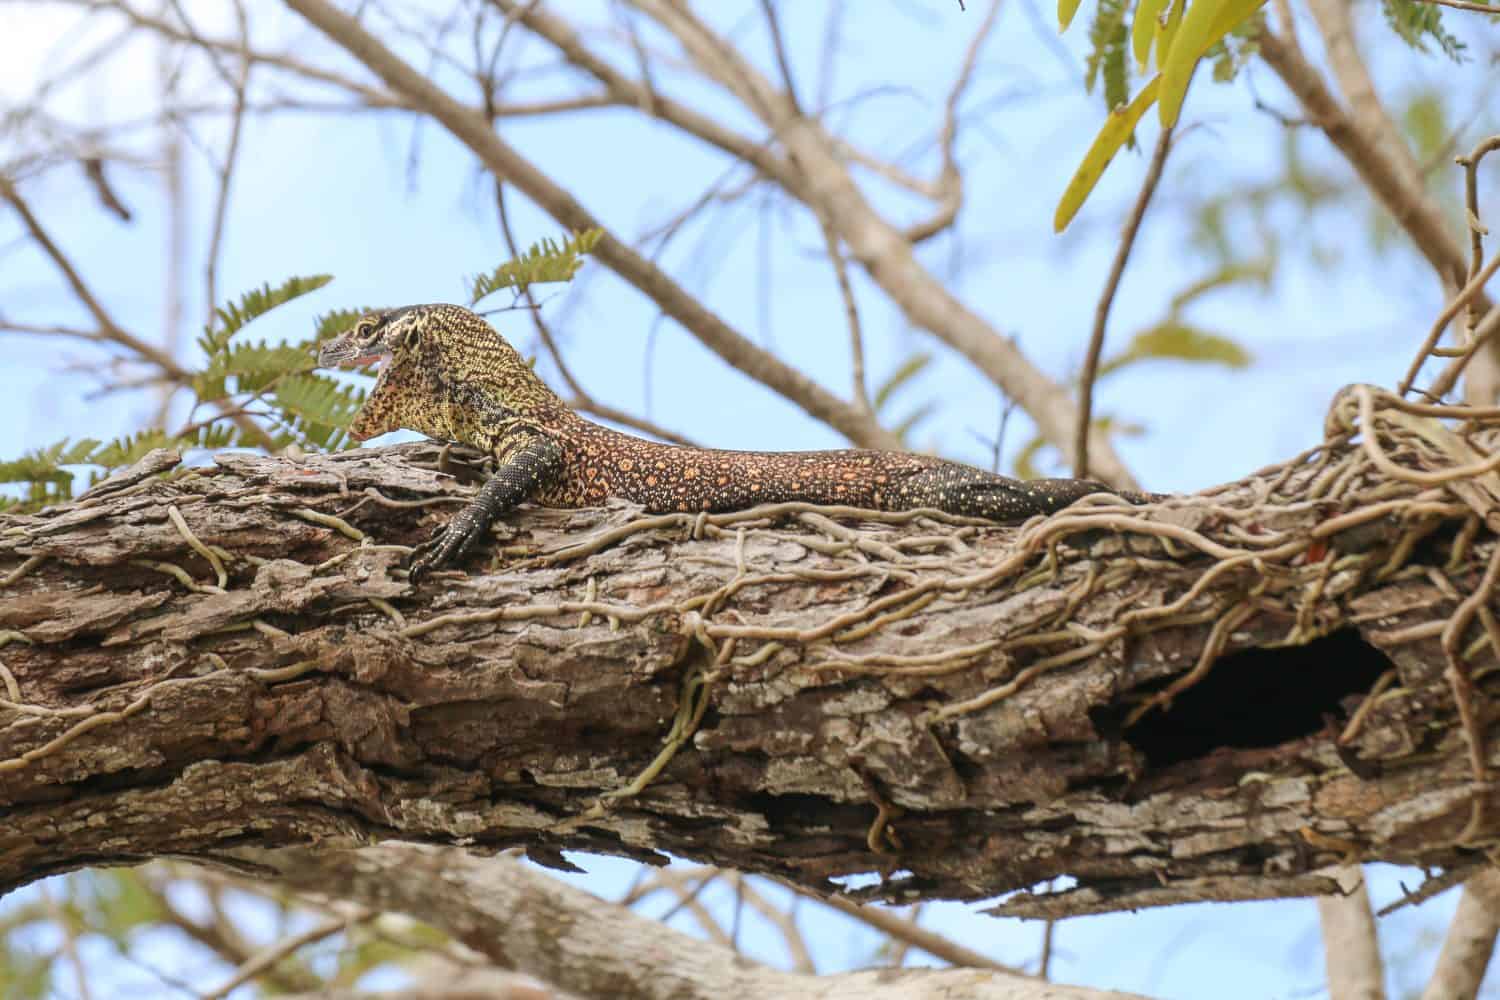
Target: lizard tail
point(971, 492)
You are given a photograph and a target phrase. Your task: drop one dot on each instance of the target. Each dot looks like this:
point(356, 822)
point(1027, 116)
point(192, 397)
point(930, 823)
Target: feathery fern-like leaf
point(1109, 41)
point(546, 260)
point(1417, 22)
point(232, 317)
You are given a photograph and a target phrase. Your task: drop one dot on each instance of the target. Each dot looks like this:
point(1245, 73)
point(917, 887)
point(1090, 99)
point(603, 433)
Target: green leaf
point(131, 448)
point(904, 373)
point(27, 975)
point(252, 366)
point(316, 410)
point(233, 316)
point(1025, 463)
point(121, 902)
point(1178, 341)
point(1243, 272)
point(546, 260)
point(1117, 128)
point(1109, 38)
point(1416, 22)
point(1425, 118)
point(1187, 48)
point(1065, 11)
point(905, 426)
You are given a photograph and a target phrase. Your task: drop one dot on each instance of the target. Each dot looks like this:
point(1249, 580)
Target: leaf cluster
point(1181, 34)
point(261, 393)
point(544, 261)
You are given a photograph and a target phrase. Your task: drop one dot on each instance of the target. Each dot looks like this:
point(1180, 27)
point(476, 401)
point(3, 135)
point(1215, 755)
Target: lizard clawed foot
point(447, 545)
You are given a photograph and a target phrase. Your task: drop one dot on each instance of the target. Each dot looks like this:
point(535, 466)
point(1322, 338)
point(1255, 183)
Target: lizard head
point(437, 364)
point(389, 339)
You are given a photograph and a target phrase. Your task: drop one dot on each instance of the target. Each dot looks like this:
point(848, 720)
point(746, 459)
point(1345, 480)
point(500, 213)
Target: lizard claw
point(447, 545)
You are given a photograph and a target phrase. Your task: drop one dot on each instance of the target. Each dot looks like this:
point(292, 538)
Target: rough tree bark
point(1218, 697)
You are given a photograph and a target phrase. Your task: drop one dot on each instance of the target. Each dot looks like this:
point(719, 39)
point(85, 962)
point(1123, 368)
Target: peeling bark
point(938, 702)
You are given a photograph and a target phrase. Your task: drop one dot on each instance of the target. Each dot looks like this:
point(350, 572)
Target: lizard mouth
point(337, 356)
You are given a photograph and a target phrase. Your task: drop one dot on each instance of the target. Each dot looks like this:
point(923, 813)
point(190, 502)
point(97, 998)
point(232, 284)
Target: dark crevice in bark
point(1254, 699)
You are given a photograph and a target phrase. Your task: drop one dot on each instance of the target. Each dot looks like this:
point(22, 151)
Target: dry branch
point(1215, 698)
point(523, 920)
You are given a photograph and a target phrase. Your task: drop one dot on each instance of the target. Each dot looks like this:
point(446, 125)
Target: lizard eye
point(364, 330)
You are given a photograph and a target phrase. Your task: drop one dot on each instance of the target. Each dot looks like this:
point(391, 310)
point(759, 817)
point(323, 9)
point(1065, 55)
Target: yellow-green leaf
point(1166, 32)
point(1065, 11)
point(1117, 128)
point(1204, 24)
point(1177, 341)
point(1187, 48)
point(1143, 29)
point(1234, 14)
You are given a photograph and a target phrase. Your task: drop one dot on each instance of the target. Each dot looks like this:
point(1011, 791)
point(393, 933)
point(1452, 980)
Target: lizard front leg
point(529, 462)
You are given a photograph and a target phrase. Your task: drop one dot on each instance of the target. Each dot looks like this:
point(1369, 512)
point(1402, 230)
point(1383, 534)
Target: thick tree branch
point(1379, 165)
point(1382, 171)
point(1366, 109)
point(1214, 699)
point(1351, 949)
point(1470, 941)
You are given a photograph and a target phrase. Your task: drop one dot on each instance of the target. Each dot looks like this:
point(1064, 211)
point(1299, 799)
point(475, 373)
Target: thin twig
point(270, 956)
point(851, 310)
point(1106, 300)
point(768, 8)
point(471, 128)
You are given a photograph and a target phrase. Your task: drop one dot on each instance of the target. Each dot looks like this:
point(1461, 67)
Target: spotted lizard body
point(447, 373)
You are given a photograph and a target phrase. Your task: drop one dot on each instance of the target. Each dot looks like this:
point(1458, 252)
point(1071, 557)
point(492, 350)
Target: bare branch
point(272, 954)
point(1385, 175)
point(1106, 300)
point(239, 85)
point(528, 922)
point(950, 185)
point(470, 127)
point(1366, 110)
point(851, 310)
point(1470, 941)
point(1351, 949)
point(628, 92)
point(768, 9)
point(291, 64)
point(885, 253)
point(109, 330)
point(910, 933)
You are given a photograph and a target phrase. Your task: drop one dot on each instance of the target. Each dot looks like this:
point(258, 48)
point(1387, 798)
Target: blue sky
point(400, 215)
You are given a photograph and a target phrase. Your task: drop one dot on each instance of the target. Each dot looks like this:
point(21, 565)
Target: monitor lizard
point(445, 372)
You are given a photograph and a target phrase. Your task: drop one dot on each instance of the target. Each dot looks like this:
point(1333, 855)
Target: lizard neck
point(466, 384)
